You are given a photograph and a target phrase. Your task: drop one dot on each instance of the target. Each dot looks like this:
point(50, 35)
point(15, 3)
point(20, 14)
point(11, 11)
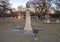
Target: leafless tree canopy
point(42, 5)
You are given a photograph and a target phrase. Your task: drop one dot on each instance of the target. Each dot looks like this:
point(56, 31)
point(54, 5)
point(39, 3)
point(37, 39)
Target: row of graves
point(50, 19)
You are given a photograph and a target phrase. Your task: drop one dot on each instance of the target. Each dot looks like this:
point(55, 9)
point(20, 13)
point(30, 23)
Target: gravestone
point(57, 21)
point(35, 33)
point(47, 19)
point(28, 28)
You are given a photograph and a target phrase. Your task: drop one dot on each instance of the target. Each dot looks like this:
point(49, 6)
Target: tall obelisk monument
point(28, 27)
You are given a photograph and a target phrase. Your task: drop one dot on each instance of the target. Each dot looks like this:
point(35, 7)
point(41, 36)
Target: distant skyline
point(16, 3)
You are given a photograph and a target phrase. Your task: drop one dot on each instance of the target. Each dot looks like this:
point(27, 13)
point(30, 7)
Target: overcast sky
point(16, 3)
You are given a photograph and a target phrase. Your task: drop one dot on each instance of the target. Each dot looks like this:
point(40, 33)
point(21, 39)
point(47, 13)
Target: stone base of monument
point(28, 30)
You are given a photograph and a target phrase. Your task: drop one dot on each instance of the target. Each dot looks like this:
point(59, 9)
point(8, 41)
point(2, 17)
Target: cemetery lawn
point(49, 33)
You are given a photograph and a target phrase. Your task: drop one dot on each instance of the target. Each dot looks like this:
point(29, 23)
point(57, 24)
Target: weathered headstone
point(28, 28)
point(57, 21)
point(35, 33)
point(47, 19)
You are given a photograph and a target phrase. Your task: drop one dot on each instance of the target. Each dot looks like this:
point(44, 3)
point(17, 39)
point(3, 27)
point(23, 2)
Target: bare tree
point(5, 7)
point(42, 5)
point(57, 3)
point(21, 9)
